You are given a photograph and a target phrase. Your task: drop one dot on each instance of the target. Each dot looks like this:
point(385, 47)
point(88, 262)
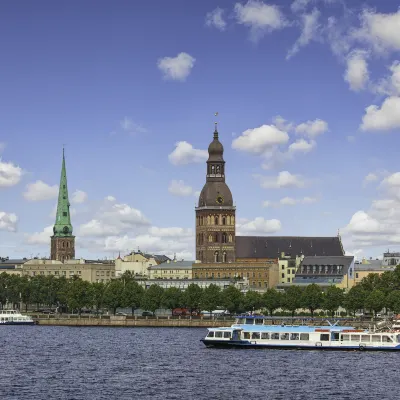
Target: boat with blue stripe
point(256, 332)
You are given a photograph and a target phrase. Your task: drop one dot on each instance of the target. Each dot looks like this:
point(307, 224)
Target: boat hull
point(18, 323)
point(243, 344)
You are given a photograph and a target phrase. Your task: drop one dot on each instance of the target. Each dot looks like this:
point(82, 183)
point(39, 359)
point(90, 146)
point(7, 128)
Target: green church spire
point(62, 226)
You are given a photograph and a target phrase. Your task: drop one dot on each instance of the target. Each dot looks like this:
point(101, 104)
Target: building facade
point(215, 214)
point(171, 270)
point(62, 241)
point(137, 263)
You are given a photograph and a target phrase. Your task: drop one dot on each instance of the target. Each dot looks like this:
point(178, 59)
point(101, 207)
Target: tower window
point(224, 256)
point(216, 238)
point(223, 220)
point(224, 237)
point(65, 213)
point(212, 169)
point(216, 256)
point(218, 169)
point(63, 186)
point(216, 220)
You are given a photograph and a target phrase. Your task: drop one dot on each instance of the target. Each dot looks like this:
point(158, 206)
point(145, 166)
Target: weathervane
point(216, 122)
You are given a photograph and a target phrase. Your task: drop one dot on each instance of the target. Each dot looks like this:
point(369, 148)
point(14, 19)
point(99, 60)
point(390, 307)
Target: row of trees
point(374, 293)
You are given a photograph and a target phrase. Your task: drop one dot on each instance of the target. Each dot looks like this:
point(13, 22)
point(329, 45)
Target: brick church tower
point(62, 241)
point(215, 214)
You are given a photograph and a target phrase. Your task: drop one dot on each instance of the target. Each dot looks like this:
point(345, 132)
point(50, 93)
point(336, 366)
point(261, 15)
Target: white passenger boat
point(252, 332)
point(13, 317)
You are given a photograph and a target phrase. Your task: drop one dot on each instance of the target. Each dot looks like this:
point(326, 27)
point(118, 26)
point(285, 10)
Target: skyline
point(307, 94)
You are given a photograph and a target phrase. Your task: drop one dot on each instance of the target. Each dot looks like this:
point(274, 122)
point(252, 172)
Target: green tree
point(333, 299)
point(152, 298)
point(113, 295)
point(172, 298)
point(370, 282)
point(354, 299)
point(212, 298)
point(98, 290)
point(272, 299)
point(192, 297)
point(375, 301)
point(25, 287)
point(233, 299)
point(38, 290)
point(253, 300)
point(133, 294)
point(312, 298)
point(393, 301)
point(292, 299)
point(79, 295)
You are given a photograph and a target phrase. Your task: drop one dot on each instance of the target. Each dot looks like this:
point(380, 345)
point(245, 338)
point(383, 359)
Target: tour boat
point(13, 317)
point(253, 332)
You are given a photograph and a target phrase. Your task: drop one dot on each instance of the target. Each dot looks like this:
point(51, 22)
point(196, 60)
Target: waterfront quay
point(180, 322)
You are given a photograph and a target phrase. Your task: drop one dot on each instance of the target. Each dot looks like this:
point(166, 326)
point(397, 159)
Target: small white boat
point(13, 317)
point(252, 332)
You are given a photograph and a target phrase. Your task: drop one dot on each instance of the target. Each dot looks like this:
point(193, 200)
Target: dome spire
point(216, 127)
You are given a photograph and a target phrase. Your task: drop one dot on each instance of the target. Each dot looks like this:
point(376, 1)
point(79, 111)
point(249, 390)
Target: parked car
point(147, 314)
point(121, 314)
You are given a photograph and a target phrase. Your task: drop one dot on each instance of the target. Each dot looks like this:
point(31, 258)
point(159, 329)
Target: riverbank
point(173, 322)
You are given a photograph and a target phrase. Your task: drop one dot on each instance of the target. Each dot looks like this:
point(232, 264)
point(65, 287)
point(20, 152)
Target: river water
point(171, 363)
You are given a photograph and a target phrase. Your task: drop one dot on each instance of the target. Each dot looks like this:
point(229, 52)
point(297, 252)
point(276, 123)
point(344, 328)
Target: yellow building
point(138, 263)
point(91, 271)
point(364, 269)
point(171, 270)
point(287, 267)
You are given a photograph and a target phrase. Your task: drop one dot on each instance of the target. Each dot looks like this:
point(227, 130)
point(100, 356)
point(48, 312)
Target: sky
point(308, 100)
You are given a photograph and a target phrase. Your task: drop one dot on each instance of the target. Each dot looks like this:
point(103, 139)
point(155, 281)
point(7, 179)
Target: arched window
point(216, 220)
point(212, 169)
point(216, 238)
point(210, 238)
point(208, 220)
point(224, 256)
point(224, 237)
point(202, 220)
point(218, 169)
point(224, 220)
point(216, 256)
point(228, 220)
point(230, 238)
point(63, 244)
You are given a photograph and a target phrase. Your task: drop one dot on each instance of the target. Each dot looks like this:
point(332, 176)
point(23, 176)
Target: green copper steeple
point(62, 226)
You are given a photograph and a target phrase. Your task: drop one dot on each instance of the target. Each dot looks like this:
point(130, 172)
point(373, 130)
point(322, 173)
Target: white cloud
point(361, 222)
point(8, 222)
point(390, 85)
point(39, 191)
point(302, 146)
point(357, 70)
point(40, 238)
point(128, 125)
point(10, 174)
point(174, 232)
point(299, 5)
point(178, 188)
point(184, 153)
point(258, 226)
point(309, 200)
point(309, 31)
point(290, 201)
point(111, 198)
point(379, 30)
point(260, 140)
point(259, 17)
point(385, 118)
point(176, 68)
point(215, 18)
point(284, 180)
point(371, 177)
point(98, 228)
point(79, 196)
point(312, 128)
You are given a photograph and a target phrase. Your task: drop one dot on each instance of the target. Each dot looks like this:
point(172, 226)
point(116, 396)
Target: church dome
point(215, 194)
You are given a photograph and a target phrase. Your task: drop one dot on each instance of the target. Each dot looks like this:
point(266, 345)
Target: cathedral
point(62, 242)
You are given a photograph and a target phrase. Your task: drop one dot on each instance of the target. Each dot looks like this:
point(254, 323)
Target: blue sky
point(308, 96)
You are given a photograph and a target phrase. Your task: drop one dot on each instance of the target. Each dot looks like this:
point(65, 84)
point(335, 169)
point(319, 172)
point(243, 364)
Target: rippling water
point(171, 363)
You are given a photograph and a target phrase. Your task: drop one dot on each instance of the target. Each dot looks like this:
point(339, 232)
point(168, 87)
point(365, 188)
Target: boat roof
point(283, 328)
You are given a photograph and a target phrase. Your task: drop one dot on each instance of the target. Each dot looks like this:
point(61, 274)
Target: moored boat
point(253, 332)
point(13, 317)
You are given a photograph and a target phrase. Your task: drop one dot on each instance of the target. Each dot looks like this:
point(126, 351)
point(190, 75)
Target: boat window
point(365, 338)
point(284, 336)
point(275, 336)
point(387, 339)
point(324, 337)
point(355, 338)
point(345, 337)
point(335, 335)
point(265, 335)
point(240, 320)
point(249, 321)
point(304, 336)
point(259, 321)
point(218, 334)
point(294, 336)
point(255, 335)
point(210, 334)
point(227, 335)
point(246, 335)
point(376, 338)
point(398, 338)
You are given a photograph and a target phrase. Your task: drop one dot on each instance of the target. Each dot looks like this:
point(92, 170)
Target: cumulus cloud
point(176, 68)
point(79, 196)
point(215, 18)
point(283, 180)
point(39, 191)
point(312, 128)
point(299, 5)
point(309, 31)
point(260, 17)
point(259, 140)
point(389, 85)
point(371, 177)
point(385, 118)
point(178, 188)
point(258, 226)
point(10, 174)
point(290, 201)
point(357, 74)
point(302, 146)
point(8, 222)
point(40, 238)
point(184, 153)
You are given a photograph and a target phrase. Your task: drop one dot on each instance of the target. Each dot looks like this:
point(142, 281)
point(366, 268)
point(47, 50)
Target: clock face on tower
point(220, 199)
